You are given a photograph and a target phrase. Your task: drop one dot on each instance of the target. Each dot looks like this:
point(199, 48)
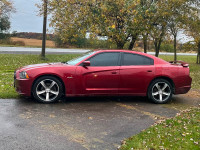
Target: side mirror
point(86, 63)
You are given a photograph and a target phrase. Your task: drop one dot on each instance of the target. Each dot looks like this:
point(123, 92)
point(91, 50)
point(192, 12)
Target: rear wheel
point(160, 91)
point(47, 89)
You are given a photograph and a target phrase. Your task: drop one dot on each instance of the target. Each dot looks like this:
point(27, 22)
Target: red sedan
point(105, 73)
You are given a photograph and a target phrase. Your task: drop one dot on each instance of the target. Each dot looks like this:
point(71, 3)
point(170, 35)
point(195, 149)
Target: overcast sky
point(25, 19)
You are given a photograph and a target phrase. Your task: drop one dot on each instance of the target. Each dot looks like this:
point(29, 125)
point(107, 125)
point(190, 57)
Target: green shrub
point(189, 46)
point(86, 43)
point(167, 47)
point(7, 41)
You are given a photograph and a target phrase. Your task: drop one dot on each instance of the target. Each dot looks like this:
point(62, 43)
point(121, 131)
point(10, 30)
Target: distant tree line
point(32, 35)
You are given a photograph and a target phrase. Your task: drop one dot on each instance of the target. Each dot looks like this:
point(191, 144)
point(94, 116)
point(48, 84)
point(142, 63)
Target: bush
point(189, 46)
point(4, 36)
point(100, 44)
point(85, 43)
point(18, 43)
point(167, 47)
point(7, 41)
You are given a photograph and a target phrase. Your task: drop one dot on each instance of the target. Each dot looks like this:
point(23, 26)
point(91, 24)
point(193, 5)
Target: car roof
point(119, 50)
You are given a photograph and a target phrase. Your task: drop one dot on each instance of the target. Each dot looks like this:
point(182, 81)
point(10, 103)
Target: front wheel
point(47, 89)
point(160, 91)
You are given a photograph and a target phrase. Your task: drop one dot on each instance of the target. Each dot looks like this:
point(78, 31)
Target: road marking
point(153, 116)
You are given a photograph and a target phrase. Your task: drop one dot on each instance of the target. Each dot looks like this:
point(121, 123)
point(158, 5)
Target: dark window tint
point(105, 59)
point(134, 59)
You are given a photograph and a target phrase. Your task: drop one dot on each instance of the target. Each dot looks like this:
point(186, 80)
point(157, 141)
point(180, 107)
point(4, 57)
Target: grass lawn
point(181, 132)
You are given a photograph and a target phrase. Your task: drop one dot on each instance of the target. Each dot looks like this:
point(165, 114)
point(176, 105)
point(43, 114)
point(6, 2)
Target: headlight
point(23, 75)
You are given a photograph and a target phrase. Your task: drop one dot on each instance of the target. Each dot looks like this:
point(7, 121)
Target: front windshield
point(77, 60)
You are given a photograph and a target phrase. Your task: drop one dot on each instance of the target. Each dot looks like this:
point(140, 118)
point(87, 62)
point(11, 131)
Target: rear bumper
point(185, 87)
point(23, 86)
point(183, 90)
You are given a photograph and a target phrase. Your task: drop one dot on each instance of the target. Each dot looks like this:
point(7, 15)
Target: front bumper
point(22, 86)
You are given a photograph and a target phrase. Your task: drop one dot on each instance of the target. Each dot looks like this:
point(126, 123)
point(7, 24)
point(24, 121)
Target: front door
point(102, 76)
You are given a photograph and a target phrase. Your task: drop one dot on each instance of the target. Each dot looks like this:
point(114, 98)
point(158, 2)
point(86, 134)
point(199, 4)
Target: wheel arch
point(51, 75)
point(166, 78)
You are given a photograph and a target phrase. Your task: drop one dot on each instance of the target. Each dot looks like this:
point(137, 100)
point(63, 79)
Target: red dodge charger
point(105, 73)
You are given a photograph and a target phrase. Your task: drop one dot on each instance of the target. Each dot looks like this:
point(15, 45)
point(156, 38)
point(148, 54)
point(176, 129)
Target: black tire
point(160, 91)
point(44, 93)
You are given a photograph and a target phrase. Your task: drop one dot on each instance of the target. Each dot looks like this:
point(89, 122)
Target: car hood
point(44, 65)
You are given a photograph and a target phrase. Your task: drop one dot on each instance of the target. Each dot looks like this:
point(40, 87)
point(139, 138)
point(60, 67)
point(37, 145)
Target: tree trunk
point(120, 45)
point(158, 41)
point(175, 56)
point(44, 30)
point(133, 40)
point(145, 43)
point(157, 52)
point(131, 45)
point(198, 54)
point(157, 46)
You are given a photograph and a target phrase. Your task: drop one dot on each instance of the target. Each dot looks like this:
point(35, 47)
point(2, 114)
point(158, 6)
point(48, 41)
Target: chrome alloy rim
point(47, 90)
point(161, 91)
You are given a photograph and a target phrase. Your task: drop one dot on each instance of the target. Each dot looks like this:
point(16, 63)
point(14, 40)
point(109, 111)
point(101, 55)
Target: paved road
point(180, 54)
point(79, 123)
point(27, 50)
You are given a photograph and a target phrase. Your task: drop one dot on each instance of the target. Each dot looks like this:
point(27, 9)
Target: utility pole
point(44, 30)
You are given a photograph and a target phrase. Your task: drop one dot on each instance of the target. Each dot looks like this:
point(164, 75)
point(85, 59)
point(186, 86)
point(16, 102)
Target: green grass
point(10, 62)
point(181, 132)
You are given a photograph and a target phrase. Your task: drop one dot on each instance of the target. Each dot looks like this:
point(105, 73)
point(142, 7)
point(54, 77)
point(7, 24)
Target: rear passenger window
point(135, 59)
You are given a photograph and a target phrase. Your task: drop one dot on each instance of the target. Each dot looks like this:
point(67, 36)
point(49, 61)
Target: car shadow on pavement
point(105, 99)
point(176, 100)
point(89, 100)
point(100, 99)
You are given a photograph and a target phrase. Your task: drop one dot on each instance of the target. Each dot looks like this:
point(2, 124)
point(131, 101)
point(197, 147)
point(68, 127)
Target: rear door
point(136, 72)
point(102, 76)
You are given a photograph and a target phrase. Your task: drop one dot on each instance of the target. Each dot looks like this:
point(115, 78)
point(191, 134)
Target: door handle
point(114, 72)
point(149, 70)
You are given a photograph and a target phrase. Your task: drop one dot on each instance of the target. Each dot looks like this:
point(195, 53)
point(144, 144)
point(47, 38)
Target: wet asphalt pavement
point(30, 50)
point(80, 123)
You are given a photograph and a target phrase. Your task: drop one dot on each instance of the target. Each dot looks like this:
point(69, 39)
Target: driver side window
point(105, 59)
